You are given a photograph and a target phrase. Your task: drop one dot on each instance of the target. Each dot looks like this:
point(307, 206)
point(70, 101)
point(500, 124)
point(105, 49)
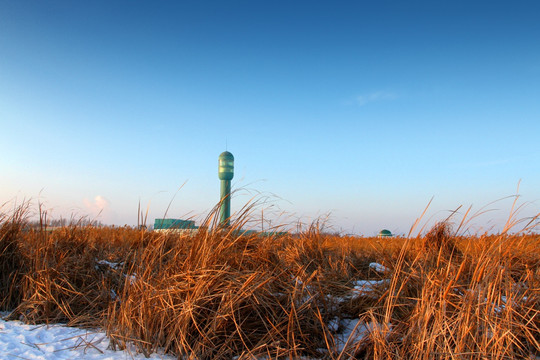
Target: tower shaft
point(225, 200)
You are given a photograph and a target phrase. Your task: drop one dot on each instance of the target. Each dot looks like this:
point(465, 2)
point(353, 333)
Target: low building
point(175, 225)
point(384, 233)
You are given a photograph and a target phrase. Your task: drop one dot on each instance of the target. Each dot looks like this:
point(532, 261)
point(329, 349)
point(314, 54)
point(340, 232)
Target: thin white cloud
point(375, 97)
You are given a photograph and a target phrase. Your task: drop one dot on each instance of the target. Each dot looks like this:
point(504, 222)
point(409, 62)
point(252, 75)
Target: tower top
point(226, 154)
point(226, 166)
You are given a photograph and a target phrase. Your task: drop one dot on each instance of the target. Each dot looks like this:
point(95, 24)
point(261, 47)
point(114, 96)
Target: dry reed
point(219, 294)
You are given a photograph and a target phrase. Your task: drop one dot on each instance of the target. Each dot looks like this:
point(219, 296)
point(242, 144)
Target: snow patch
point(378, 267)
point(54, 342)
point(367, 287)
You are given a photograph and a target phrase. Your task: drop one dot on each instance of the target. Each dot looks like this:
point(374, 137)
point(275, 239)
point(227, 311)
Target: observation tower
point(225, 174)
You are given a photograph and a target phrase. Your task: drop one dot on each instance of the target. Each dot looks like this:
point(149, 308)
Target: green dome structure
point(385, 233)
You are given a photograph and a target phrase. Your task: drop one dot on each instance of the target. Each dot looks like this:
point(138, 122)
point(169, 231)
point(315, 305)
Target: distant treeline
point(37, 224)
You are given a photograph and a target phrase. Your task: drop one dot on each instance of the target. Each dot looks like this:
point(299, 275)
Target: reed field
point(219, 294)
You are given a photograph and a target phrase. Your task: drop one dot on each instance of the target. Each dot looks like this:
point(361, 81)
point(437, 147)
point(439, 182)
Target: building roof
point(385, 232)
point(173, 224)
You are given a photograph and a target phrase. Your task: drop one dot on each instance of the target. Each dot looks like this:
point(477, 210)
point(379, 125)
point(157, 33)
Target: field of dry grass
point(222, 295)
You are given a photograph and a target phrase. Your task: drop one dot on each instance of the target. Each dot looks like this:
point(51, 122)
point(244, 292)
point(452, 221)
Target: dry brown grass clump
point(11, 259)
point(230, 296)
point(220, 294)
point(469, 306)
point(62, 275)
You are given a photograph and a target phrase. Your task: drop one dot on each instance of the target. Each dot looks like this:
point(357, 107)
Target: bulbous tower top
point(226, 166)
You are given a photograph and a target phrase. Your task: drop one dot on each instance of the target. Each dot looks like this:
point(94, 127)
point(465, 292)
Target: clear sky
point(360, 110)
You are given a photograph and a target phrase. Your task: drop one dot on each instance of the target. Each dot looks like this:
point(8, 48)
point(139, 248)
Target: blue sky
point(360, 110)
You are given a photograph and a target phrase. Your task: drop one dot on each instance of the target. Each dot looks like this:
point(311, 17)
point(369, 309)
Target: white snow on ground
point(367, 287)
point(354, 331)
point(112, 265)
point(378, 267)
point(53, 342)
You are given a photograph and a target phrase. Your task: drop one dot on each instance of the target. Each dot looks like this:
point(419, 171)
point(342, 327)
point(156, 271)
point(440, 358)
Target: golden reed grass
point(219, 294)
